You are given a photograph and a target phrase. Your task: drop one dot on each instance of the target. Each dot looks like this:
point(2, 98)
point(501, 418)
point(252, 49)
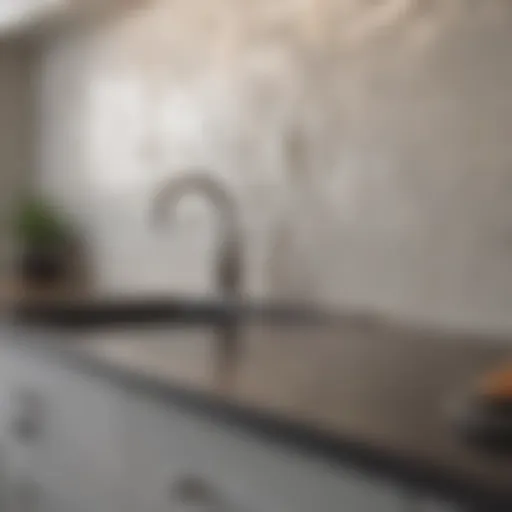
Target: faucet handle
point(193, 492)
point(28, 418)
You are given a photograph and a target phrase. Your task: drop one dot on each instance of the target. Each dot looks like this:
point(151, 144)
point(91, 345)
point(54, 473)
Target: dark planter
point(43, 265)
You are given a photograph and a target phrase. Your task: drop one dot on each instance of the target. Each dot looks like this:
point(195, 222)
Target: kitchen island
point(349, 400)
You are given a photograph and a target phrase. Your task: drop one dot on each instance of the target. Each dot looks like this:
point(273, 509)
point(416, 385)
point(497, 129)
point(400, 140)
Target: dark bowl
point(486, 421)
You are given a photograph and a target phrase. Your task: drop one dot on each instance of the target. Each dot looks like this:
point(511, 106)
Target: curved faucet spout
point(229, 262)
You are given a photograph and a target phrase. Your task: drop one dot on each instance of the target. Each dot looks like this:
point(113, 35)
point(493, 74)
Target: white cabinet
point(246, 472)
point(74, 460)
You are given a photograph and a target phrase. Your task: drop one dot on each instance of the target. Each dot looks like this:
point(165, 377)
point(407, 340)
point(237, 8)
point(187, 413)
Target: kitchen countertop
point(377, 392)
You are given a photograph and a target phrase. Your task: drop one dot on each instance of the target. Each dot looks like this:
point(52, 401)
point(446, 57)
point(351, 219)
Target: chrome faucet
point(229, 259)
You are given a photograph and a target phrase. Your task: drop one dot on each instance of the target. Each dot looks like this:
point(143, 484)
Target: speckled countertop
point(389, 388)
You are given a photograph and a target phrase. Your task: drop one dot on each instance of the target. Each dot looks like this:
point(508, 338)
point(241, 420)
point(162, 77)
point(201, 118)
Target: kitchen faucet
point(229, 258)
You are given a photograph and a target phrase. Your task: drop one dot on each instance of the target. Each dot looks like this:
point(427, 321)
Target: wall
point(367, 143)
point(16, 139)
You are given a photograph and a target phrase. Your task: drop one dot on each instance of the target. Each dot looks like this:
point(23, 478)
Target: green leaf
point(39, 224)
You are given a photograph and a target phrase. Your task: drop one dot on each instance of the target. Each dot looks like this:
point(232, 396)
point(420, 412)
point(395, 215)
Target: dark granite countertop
point(373, 393)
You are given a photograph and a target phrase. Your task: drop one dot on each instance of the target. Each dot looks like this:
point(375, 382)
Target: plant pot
point(43, 265)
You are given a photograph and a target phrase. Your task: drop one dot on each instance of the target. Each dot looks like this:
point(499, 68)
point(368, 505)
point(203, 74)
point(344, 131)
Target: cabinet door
point(71, 458)
point(239, 471)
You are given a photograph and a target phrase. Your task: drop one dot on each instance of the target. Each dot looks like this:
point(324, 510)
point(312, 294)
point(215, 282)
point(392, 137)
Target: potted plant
point(44, 240)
